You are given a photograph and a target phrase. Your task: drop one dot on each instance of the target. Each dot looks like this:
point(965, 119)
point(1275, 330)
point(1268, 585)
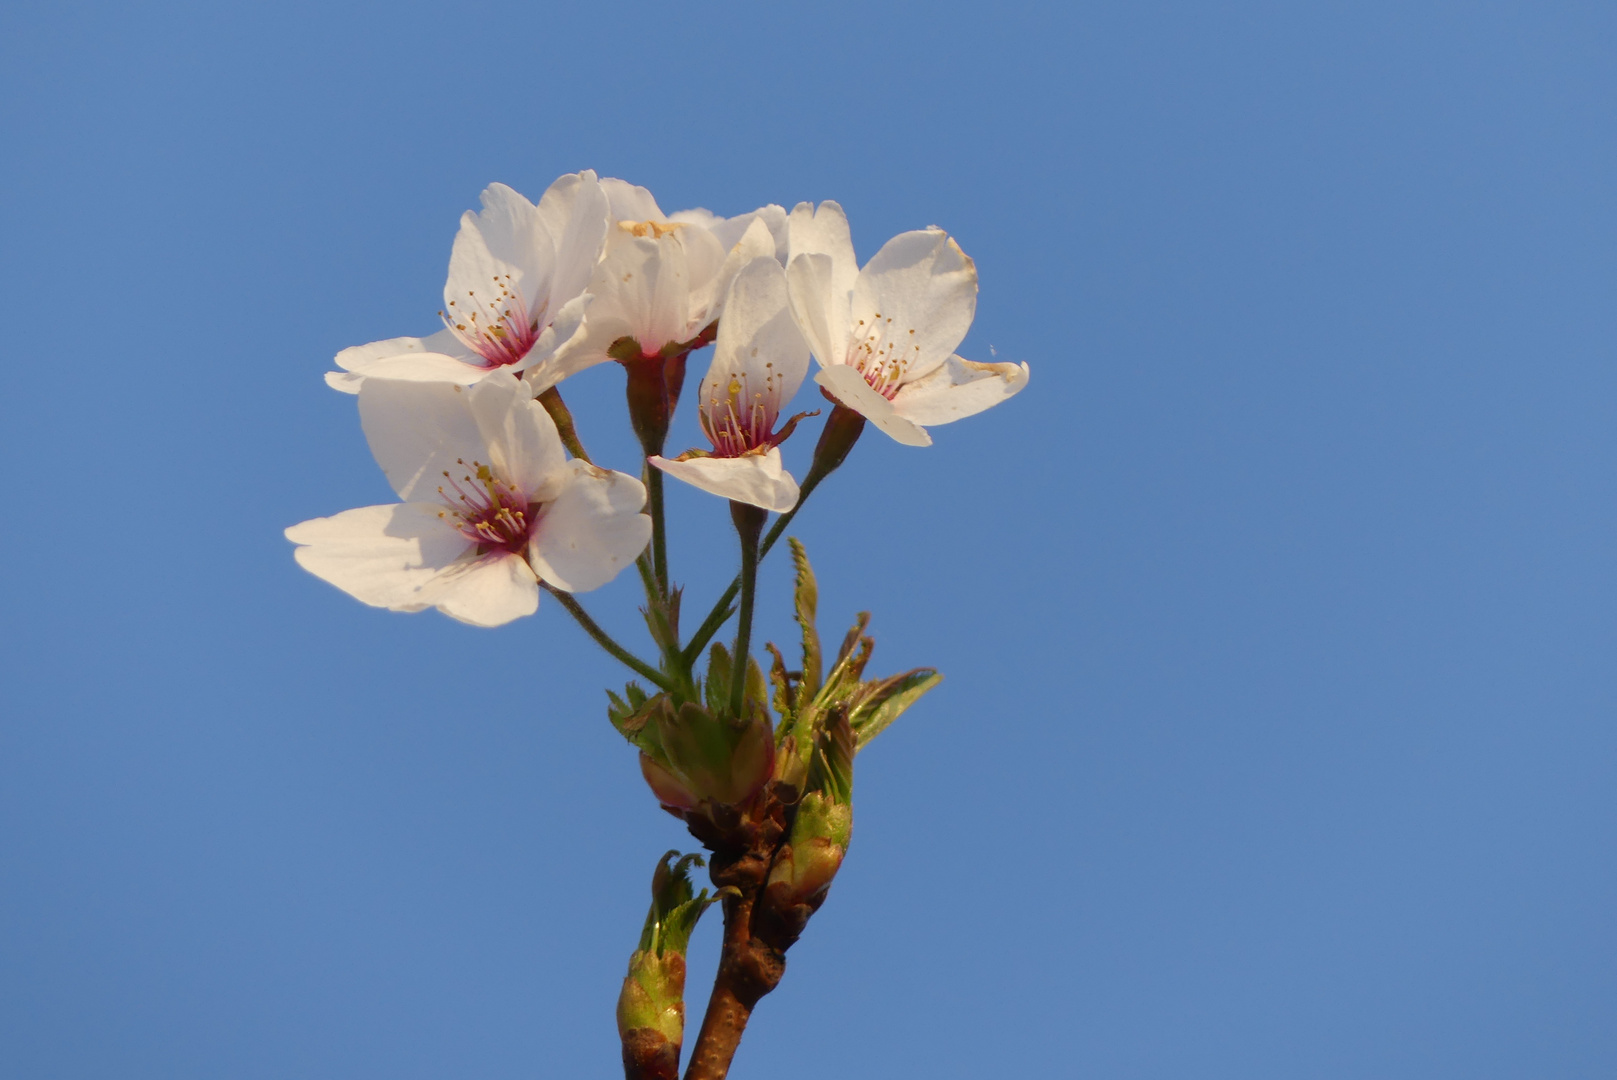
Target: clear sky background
point(1279, 735)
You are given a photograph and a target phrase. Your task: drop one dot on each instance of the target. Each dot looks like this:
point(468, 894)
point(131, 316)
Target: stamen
point(884, 363)
point(488, 511)
point(501, 331)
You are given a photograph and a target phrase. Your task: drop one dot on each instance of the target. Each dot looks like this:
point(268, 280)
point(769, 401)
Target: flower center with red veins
point(883, 355)
point(487, 511)
point(744, 418)
point(498, 327)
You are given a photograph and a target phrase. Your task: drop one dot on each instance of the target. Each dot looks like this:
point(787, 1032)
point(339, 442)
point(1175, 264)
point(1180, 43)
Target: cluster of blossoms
point(500, 501)
point(597, 272)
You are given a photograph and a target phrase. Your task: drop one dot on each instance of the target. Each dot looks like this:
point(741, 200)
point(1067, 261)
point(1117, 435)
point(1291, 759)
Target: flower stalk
point(837, 438)
point(604, 640)
point(563, 419)
point(749, 523)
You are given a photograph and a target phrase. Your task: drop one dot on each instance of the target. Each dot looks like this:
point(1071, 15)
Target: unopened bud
point(805, 866)
point(708, 758)
point(651, 1005)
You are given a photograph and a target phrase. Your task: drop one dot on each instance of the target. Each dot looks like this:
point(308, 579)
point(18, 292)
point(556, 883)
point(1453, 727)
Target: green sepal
point(662, 619)
point(699, 757)
point(631, 714)
point(624, 350)
point(720, 673)
point(716, 687)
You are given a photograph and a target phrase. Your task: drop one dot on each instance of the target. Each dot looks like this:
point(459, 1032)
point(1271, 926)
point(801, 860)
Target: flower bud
point(706, 758)
point(651, 1005)
point(806, 864)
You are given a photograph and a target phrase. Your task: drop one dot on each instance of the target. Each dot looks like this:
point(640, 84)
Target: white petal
point(642, 290)
point(444, 341)
point(505, 246)
point(759, 341)
point(386, 556)
point(523, 447)
point(850, 388)
point(729, 231)
point(758, 479)
point(490, 591)
point(559, 351)
point(708, 273)
point(591, 531)
point(344, 381)
point(425, 368)
point(755, 243)
point(958, 388)
point(629, 202)
point(824, 231)
point(417, 431)
point(574, 211)
point(821, 317)
point(914, 301)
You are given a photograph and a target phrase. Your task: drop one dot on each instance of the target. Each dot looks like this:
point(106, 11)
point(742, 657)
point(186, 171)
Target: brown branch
point(753, 957)
point(648, 1055)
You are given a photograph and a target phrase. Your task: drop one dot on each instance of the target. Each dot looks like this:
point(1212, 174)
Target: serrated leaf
point(675, 908)
point(888, 701)
point(785, 696)
point(806, 599)
point(831, 771)
point(843, 677)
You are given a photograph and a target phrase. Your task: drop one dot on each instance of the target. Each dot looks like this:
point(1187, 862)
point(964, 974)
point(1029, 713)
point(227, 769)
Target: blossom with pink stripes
point(759, 361)
point(885, 335)
point(492, 506)
point(515, 292)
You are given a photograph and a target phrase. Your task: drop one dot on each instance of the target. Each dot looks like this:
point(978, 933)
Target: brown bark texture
point(759, 926)
point(648, 1055)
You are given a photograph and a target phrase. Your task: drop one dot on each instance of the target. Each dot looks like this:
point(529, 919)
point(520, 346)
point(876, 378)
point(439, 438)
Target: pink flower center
point(743, 419)
point(883, 355)
point(492, 514)
point(498, 327)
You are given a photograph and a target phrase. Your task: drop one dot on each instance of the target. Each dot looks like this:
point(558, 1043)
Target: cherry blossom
point(514, 295)
point(662, 280)
point(758, 364)
point(491, 507)
point(885, 335)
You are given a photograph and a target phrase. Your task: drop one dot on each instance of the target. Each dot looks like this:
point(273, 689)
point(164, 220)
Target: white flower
point(491, 507)
point(662, 279)
point(515, 292)
point(758, 364)
point(885, 336)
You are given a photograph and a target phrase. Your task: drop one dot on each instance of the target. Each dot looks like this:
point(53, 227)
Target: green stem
point(842, 429)
point(604, 640)
point(563, 419)
point(648, 580)
point(749, 522)
point(659, 531)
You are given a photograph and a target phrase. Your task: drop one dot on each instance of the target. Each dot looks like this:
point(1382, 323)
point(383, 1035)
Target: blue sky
point(1278, 731)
